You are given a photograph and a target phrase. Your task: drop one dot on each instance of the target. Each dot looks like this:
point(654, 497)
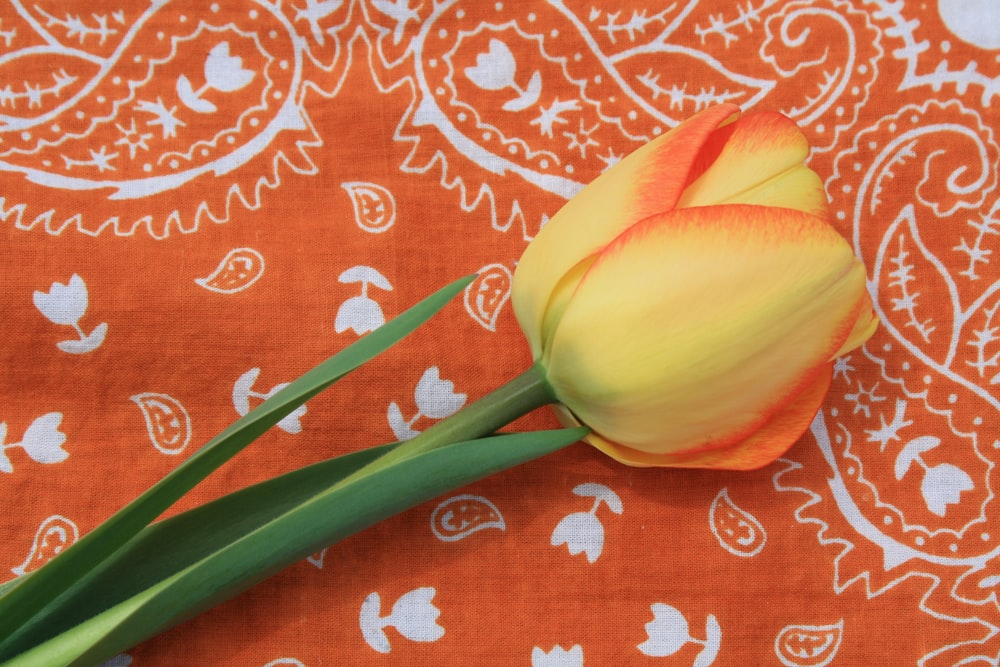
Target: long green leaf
point(180, 567)
point(167, 547)
point(22, 600)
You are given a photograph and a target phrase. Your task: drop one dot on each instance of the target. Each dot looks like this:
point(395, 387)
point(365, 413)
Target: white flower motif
point(557, 657)
point(943, 485)
point(436, 398)
point(225, 72)
point(668, 632)
point(243, 391)
point(63, 304)
point(66, 305)
point(361, 313)
point(583, 532)
point(580, 532)
point(494, 69)
point(43, 440)
point(413, 615)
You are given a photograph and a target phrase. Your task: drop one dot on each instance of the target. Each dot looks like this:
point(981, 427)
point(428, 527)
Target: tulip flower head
point(688, 305)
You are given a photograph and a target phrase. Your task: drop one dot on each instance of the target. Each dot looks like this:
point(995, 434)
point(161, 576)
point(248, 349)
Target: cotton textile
point(200, 201)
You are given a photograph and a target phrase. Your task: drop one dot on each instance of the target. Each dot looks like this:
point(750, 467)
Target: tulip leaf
point(31, 592)
point(181, 566)
point(168, 546)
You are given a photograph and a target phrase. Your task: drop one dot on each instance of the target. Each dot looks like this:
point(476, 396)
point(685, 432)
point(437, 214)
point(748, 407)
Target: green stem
point(518, 397)
point(201, 557)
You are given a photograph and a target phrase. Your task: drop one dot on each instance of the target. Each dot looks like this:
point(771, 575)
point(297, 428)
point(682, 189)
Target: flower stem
point(518, 397)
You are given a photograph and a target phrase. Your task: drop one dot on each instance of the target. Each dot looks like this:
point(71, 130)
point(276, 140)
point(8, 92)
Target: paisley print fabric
point(200, 200)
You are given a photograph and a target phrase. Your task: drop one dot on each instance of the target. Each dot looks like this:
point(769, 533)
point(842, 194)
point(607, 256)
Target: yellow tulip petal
point(761, 161)
point(648, 181)
point(695, 327)
point(759, 449)
point(863, 329)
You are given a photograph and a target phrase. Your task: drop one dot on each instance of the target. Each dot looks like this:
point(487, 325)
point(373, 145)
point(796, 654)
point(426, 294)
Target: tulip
point(688, 305)
point(685, 309)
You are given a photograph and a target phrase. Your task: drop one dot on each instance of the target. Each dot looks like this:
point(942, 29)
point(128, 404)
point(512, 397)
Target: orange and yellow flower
point(688, 305)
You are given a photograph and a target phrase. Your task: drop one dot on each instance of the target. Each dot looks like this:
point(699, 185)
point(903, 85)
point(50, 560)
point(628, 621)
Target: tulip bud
point(687, 306)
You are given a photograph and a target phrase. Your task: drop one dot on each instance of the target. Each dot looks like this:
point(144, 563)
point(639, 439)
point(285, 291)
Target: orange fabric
point(201, 200)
